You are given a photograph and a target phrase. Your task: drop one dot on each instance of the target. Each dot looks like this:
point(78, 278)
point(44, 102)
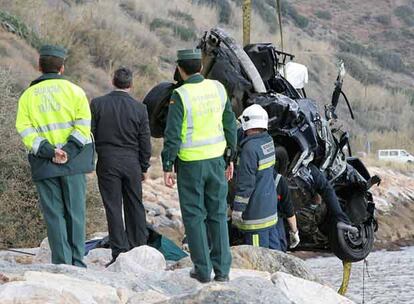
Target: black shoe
point(196, 276)
point(221, 278)
point(110, 263)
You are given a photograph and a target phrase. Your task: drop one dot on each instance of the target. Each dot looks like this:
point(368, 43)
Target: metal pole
point(247, 10)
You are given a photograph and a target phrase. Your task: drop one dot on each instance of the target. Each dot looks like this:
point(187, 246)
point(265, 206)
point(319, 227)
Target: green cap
point(53, 50)
point(189, 54)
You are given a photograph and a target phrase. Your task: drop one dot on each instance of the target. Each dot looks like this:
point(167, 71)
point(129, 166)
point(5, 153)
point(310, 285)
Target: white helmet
point(254, 117)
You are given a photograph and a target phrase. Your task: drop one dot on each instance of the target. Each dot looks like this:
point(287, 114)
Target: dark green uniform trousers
point(202, 190)
point(62, 200)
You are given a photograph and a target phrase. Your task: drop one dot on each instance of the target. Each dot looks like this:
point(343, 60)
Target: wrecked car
point(253, 75)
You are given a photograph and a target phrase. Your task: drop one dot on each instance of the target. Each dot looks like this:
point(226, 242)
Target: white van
point(395, 155)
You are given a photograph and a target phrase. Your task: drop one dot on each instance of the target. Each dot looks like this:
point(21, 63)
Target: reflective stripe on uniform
point(267, 160)
point(258, 224)
point(82, 139)
point(36, 144)
point(27, 132)
point(255, 240)
point(277, 180)
point(187, 104)
point(266, 165)
point(55, 126)
point(242, 200)
point(223, 94)
point(82, 122)
point(204, 142)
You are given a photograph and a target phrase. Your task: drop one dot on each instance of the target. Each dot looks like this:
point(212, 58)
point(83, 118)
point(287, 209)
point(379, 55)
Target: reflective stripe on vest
point(202, 134)
point(258, 224)
point(267, 163)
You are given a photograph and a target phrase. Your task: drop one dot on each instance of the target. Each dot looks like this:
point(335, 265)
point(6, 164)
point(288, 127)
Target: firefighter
point(200, 125)
point(255, 202)
point(54, 119)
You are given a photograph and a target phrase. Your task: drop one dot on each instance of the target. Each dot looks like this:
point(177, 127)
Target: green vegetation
point(359, 70)
point(183, 32)
point(181, 15)
point(17, 26)
point(326, 15)
point(383, 19)
point(386, 59)
point(223, 7)
point(406, 14)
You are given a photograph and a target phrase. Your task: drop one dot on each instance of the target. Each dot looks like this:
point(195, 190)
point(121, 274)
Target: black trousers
point(119, 180)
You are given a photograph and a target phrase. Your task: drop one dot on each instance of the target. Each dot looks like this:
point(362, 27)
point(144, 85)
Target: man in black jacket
point(121, 129)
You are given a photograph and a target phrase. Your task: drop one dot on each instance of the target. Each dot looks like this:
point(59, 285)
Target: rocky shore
point(144, 276)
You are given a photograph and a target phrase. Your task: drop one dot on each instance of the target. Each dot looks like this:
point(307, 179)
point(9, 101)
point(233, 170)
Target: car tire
point(349, 247)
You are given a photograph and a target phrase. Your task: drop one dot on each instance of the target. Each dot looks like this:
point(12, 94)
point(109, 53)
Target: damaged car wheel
point(352, 247)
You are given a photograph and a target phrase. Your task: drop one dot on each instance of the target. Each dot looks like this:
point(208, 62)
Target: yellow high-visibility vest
point(202, 134)
point(53, 110)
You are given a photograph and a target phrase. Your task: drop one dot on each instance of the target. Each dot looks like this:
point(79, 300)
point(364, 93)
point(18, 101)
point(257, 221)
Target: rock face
point(139, 276)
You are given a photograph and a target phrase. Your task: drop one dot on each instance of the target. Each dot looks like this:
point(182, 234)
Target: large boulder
point(310, 292)
point(258, 258)
point(262, 259)
point(43, 288)
point(138, 259)
point(243, 290)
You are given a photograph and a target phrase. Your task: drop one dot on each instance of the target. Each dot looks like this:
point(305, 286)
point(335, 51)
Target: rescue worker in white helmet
point(255, 202)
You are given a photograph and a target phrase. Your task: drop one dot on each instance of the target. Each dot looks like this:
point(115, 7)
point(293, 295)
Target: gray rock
point(139, 259)
point(43, 255)
point(262, 259)
point(97, 258)
point(310, 292)
point(42, 287)
point(243, 290)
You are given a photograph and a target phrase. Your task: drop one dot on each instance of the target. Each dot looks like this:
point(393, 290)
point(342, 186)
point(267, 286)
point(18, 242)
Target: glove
point(294, 239)
point(236, 217)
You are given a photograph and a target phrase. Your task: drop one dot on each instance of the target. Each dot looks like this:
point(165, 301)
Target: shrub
point(21, 222)
point(359, 70)
point(406, 14)
point(289, 10)
point(223, 6)
point(16, 26)
point(383, 19)
point(181, 15)
point(326, 15)
point(389, 60)
point(183, 32)
point(129, 8)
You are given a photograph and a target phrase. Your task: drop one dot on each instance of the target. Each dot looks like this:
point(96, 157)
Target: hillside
point(103, 34)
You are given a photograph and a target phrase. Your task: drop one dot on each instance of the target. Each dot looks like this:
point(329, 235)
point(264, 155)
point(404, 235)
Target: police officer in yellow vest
point(53, 119)
point(200, 125)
